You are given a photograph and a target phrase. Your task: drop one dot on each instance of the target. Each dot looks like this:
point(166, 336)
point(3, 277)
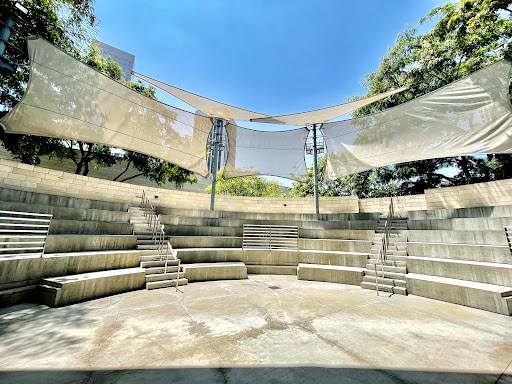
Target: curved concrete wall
point(30, 178)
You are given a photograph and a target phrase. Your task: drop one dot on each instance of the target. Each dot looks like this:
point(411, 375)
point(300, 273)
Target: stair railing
point(382, 255)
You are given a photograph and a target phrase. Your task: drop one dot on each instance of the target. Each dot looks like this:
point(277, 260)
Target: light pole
point(216, 143)
point(315, 148)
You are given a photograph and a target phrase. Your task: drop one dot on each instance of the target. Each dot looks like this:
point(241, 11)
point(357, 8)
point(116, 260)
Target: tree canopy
point(468, 35)
point(247, 186)
point(71, 25)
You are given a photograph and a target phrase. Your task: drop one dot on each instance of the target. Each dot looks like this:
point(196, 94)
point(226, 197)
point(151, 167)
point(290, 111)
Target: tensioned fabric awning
point(209, 107)
point(68, 99)
point(467, 117)
point(325, 114)
point(224, 111)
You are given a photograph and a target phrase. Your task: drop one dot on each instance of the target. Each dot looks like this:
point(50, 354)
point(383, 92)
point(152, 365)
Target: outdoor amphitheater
point(103, 302)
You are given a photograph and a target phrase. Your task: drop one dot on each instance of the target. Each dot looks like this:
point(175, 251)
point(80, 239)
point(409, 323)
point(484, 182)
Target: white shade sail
point(68, 99)
point(470, 116)
point(274, 153)
point(209, 107)
point(325, 114)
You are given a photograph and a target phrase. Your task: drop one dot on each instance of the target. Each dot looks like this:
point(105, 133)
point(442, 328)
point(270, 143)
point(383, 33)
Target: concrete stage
point(265, 329)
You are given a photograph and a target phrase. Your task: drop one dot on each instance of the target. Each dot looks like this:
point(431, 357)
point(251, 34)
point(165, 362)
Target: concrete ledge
point(271, 257)
point(58, 291)
point(271, 270)
point(485, 253)
point(15, 271)
point(68, 213)
point(200, 213)
point(67, 227)
point(205, 242)
point(458, 237)
point(29, 197)
point(214, 271)
point(16, 296)
point(77, 243)
point(461, 224)
point(498, 211)
point(330, 273)
point(490, 273)
point(336, 245)
point(477, 295)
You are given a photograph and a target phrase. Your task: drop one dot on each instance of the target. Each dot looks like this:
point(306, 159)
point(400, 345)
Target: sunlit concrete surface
point(265, 329)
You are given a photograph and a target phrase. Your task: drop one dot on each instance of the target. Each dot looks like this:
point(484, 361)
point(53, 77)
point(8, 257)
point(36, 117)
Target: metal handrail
point(158, 234)
point(384, 245)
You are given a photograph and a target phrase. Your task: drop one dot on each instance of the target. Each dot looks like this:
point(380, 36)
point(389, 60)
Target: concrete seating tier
point(330, 273)
point(238, 223)
point(494, 298)
point(498, 211)
point(26, 270)
point(271, 269)
point(168, 211)
point(77, 243)
point(490, 273)
point(56, 200)
point(190, 230)
point(462, 224)
point(215, 271)
point(496, 237)
point(63, 290)
point(69, 213)
point(66, 227)
point(271, 257)
point(473, 252)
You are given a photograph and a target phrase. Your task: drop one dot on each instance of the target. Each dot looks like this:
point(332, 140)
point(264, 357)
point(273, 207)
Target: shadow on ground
point(317, 375)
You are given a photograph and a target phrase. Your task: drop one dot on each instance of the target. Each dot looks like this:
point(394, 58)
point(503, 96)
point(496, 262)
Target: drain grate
point(274, 287)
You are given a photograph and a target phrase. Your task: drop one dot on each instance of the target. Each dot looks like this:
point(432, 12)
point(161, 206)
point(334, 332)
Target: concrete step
point(384, 288)
point(164, 276)
point(389, 252)
point(387, 268)
point(153, 270)
point(155, 258)
point(392, 263)
point(150, 264)
point(396, 257)
point(147, 246)
point(165, 283)
point(385, 281)
point(389, 275)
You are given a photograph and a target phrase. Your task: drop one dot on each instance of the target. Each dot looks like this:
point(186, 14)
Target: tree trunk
point(126, 169)
point(132, 177)
point(464, 165)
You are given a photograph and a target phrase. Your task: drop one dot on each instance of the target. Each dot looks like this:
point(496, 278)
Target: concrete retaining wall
point(458, 237)
point(485, 253)
point(330, 274)
point(215, 271)
point(30, 178)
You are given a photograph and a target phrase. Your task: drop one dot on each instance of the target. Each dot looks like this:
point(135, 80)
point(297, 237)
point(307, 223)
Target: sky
point(270, 56)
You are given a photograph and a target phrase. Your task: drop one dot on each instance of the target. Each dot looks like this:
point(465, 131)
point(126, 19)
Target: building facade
point(124, 59)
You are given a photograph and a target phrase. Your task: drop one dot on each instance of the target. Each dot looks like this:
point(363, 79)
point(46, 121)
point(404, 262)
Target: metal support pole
point(5, 32)
point(218, 127)
point(315, 171)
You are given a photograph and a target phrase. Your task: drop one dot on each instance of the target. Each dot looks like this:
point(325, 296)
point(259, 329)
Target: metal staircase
point(386, 267)
point(163, 268)
point(23, 234)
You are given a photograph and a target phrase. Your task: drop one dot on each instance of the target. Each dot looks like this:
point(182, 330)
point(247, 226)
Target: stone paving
point(265, 329)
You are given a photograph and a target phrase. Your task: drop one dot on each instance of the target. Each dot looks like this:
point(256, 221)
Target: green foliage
point(467, 37)
point(247, 186)
point(364, 185)
point(71, 25)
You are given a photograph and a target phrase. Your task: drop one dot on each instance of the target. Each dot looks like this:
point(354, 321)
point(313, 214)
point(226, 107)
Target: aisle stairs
point(163, 268)
point(392, 269)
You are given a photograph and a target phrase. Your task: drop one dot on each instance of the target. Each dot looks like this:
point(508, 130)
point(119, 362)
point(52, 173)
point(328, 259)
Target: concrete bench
point(483, 272)
point(330, 273)
point(215, 271)
point(77, 243)
point(486, 253)
point(271, 269)
point(494, 298)
point(63, 290)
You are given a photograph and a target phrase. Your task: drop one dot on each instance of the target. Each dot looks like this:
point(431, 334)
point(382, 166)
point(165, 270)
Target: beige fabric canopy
point(326, 114)
point(68, 99)
point(470, 116)
point(209, 107)
point(220, 110)
point(274, 153)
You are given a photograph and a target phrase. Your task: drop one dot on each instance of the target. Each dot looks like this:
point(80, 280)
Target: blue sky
point(274, 57)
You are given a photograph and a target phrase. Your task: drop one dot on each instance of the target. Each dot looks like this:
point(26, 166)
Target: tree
point(70, 24)
point(364, 185)
point(469, 35)
point(247, 186)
